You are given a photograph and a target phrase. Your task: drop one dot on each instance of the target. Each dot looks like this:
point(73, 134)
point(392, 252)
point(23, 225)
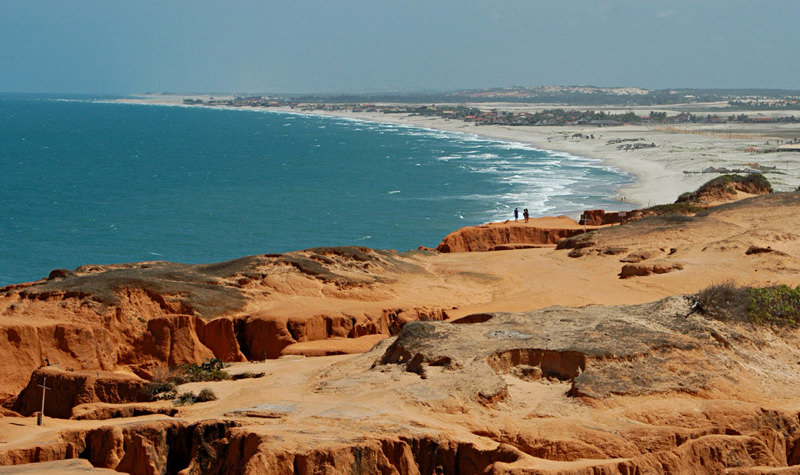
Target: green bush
point(162, 384)
point(750, 179)
point(208, 370)
point(157, 387)
point(779, 303)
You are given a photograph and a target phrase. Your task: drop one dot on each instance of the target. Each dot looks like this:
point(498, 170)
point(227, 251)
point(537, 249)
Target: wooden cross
point(44, 389)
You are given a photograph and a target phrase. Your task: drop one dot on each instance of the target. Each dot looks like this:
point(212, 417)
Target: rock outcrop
point(641, 270)
point(616, 390)
point(153, 314)
point(509, 235)
point(599, 351)
point(658, 245)
point(599, 217)
point(68, 389)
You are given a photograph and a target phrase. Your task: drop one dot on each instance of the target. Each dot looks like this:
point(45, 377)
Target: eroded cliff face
point(143, 316)
point(647, 388)
point(538, 232)
point(73, 388)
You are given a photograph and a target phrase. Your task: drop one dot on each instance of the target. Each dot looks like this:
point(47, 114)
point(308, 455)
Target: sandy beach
point(659, 171)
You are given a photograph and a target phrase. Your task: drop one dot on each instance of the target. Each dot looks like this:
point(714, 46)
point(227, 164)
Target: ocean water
point(85, 181)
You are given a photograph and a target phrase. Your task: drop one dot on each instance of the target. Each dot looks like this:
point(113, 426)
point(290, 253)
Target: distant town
point(729, 106)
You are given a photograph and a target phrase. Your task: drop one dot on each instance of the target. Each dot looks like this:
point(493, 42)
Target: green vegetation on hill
point(779, 304)
point(754, 183)
point(754, 180)
point(673, 208)
point(691, 203)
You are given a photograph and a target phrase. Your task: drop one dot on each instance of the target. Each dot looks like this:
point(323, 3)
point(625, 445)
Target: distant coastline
point(678, 161)
point(95, 181)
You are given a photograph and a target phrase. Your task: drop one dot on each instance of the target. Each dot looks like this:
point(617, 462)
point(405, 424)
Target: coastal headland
point(621, 344)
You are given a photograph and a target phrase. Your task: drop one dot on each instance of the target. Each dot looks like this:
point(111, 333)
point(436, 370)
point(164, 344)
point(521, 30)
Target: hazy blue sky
point(374, 45)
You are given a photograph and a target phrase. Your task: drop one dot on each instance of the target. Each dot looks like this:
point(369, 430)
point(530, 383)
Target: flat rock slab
point(602, 351)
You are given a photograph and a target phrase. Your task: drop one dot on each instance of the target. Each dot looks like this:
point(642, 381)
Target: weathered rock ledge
point(630, 389)
point(539, 232)
point(142, 316)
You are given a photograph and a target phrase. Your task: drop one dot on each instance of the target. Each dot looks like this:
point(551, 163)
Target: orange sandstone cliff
point(535, 360)
point(537, 232)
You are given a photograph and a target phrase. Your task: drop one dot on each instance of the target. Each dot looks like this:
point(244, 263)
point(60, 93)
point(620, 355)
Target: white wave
point(393, 192)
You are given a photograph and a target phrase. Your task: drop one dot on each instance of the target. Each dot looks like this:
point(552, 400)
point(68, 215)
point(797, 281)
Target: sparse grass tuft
point(189, 398)
point(186, 399)
point(206, 395)
point(247, 375)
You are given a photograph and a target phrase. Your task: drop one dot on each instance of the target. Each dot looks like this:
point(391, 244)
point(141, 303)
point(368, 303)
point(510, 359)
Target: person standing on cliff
point(516, 214)
point(525, 214)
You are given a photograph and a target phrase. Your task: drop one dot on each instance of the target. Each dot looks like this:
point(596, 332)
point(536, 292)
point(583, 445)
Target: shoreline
point(658, 172)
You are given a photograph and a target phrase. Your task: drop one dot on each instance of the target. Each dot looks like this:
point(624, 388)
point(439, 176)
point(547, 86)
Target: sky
point(359, 46)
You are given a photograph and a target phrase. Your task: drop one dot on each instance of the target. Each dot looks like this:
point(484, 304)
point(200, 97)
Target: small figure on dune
point(525, 214)
point(516, 214)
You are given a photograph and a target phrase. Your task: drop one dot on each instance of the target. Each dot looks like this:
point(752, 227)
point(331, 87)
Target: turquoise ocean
point(87, 181)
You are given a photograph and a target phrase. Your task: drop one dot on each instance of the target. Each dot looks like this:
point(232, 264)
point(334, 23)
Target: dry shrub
point(162, 385)
point(185, 399)
point(206, 395)
point(725, 301)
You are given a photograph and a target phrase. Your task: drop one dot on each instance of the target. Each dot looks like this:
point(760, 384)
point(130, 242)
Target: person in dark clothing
point(525, 214)
point(516, 214)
